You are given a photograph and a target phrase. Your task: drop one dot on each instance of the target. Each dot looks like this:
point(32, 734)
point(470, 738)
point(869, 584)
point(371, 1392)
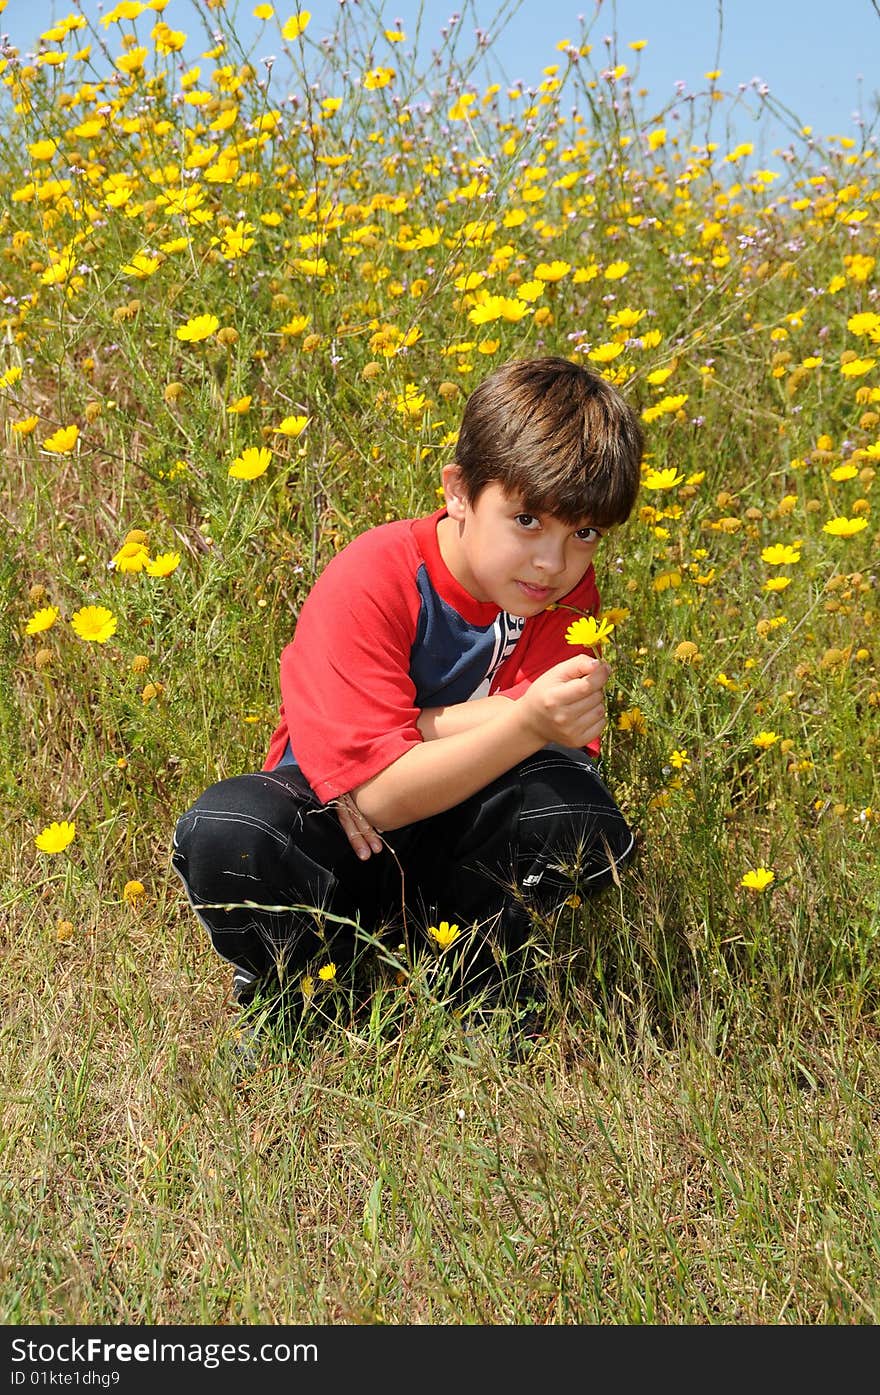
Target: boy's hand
point(358, 830)
point(567, 703)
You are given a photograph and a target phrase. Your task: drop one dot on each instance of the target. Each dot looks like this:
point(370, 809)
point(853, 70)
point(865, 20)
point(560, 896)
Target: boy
point(433, 752)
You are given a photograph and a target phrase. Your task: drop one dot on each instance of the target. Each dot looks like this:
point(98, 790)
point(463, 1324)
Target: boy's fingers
point(584, 666)
point(358, 830)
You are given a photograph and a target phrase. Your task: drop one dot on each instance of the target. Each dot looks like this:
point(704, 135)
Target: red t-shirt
point(387, 631)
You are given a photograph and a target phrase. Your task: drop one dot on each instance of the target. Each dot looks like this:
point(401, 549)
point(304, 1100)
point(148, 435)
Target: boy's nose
point(550, 563)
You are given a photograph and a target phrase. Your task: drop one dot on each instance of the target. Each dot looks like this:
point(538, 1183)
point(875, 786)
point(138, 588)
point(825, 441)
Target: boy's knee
point(234, 826)
point(569, 817)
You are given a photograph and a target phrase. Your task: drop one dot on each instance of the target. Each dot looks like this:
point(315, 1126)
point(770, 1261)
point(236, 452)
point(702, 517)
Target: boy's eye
point(525, 520)
point(588, 535)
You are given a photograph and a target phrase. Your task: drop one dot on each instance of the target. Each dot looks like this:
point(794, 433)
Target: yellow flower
point(252, 463)
point(132, 892)
point(605, 353)
point(377, 77)
point(759, 879)
point(857, 367)
point(844, 527)
point(780, 554)
point(10, 377)
point(633, 720)
point(295, 25)
point(241, 406)
point(411, 402)
point(687, 652)
point(588, 630)
point(626, 318)
point(765, 739)
point(56, 837)
point(664, 406)
point(42, 149)
point(327, 972)
point(662, 479)
point(94, 624)
point(63, 441)
point(777, 583)
point(132, 61)
point(444, 933)
point(25, 427)
point(679, 759)
point(310, 266)
point(552, 271)
point(199, 328)
point(131, 557)
point(141, 266)
point(292, 426)
point(296, 325)
point(164, 564)
point(863, 322)
point(235, 241)
point(42, 620)
point(497, 307)
point(64, 931)
point(615, 270)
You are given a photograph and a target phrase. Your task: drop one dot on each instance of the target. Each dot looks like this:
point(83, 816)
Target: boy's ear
point(453, 488)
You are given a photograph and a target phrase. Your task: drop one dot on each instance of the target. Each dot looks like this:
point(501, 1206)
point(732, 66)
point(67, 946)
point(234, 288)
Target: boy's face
point(519, 561)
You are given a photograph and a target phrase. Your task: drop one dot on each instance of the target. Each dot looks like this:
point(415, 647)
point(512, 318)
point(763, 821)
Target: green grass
point(693, 1139)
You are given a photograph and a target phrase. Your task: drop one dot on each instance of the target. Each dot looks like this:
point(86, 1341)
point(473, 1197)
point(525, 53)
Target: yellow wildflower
point(131, 557)
point(164, 564)
point(662, 479)
point(844, 527)
point(292, 426)
point(377, 77)
point(42, 620)
point(759, 879)
point(63, 441)
point(199, 328)
point(780, 555)
point(56, 837)
point(252, 463)
point(764, 740)
point(588, 630)
point(94, 624)
point(295, 25)
point(444, 933)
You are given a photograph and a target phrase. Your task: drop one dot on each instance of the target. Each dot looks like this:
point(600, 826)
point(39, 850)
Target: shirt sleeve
point(348, 699)
point(544, 645)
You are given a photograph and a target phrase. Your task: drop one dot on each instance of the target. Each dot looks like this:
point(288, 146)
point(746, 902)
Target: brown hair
point(556, 433)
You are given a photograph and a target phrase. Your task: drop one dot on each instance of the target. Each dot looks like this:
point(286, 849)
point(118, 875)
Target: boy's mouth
point(535, 593)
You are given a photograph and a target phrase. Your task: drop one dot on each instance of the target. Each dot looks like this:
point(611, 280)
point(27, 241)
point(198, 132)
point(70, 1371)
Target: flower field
point(242, 309)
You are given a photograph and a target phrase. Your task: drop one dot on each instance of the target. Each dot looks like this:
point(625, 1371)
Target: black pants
point(261, 859)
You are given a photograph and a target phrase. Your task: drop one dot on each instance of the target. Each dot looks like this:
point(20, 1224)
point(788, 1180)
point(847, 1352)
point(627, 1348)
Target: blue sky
point(820, 60)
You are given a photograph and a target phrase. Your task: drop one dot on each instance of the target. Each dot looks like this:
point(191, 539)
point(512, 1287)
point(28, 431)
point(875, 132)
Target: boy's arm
point(564, 705)
point(433, 723)
point(436, 722)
